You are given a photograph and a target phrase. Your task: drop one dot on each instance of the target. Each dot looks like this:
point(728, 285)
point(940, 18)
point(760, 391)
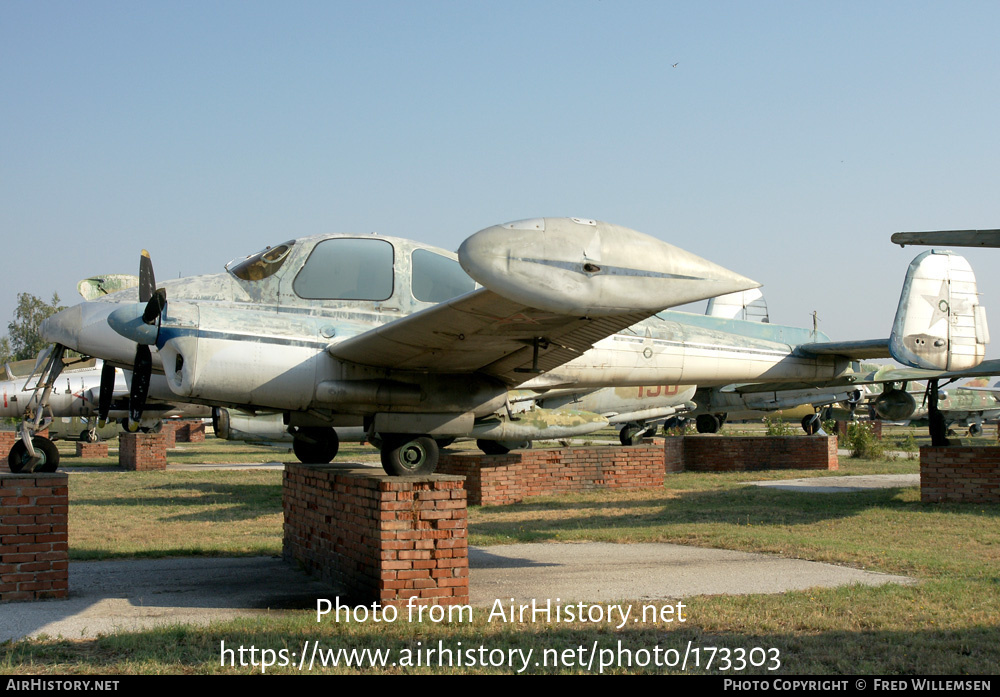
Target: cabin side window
point(435, 278)
point(347, 269)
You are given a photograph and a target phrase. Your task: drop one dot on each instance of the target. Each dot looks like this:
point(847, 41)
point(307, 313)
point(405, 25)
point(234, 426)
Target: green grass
point(948, 623)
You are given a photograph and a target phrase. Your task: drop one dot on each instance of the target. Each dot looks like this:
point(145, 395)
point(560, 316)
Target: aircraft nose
point(64, 327)
point(84, 328)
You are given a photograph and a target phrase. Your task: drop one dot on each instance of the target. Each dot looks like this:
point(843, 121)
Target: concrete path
point(122, 596)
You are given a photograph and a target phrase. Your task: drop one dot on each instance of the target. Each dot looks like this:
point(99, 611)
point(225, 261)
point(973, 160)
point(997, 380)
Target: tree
point(23, 340)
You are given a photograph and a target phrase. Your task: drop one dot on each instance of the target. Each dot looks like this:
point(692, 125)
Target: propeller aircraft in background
point(386, 334)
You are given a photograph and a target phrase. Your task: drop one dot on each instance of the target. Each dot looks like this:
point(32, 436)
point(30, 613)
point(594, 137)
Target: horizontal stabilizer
point(950, 238)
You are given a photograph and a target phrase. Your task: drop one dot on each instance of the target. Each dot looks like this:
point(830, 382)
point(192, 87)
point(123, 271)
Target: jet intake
point(895, 405)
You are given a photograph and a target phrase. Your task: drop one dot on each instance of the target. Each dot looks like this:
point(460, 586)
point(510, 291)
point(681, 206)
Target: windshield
point(262, 264)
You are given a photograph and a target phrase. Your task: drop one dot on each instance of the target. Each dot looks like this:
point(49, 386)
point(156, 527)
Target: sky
point(784, 140)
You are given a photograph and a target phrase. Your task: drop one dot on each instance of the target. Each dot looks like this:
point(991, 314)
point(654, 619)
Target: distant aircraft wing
point(857, 350)
point(552, 287)
point(984, 369)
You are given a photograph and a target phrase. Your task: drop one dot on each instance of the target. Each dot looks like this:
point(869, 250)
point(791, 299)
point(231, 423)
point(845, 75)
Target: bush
point(863, 442)
point(776, 426)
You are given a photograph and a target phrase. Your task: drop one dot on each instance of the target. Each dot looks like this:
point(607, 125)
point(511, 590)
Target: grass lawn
point(948, 623)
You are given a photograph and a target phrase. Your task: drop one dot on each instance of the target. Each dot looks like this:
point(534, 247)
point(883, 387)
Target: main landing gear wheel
point(975, 430)
point(631, 435)
point(707, 423)
point(316, 445)
point(811, 424)
point(406, 454)
point(18, 458)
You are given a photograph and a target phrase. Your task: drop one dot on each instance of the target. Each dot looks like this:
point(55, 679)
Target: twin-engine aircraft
point(394, 336)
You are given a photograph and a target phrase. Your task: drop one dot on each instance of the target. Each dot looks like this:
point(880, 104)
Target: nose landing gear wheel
point(18, 457)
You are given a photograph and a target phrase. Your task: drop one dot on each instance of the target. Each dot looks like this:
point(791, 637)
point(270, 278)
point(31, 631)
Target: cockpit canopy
point(348, 268)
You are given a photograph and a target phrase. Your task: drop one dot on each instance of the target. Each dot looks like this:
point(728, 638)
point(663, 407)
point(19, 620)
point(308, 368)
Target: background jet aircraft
point(76, 395)
point(388, 334)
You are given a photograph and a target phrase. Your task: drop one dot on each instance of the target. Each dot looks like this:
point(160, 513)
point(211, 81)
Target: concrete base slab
point(124, 596)
point(603, 571)
point(837, 485)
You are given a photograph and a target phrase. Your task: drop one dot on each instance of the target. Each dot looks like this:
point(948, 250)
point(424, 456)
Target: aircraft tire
point(317, 446)
point(707, 423)
point(408, 455)
point(975, 430)
point(631, 435)
point(810, 424)
point(18, 456)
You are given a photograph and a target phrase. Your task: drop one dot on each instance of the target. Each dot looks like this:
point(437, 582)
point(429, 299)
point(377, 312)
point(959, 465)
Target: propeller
point(106, 393)
point(141, 324)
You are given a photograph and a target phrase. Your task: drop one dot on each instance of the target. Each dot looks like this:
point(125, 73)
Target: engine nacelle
point(895, 405)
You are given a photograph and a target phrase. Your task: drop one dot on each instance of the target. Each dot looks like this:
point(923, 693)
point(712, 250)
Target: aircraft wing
point(481, 332)
point(552, 287)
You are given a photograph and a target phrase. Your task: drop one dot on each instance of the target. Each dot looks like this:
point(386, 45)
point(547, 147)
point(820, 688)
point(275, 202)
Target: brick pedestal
point(142, 451)
point(960, 474)
point(381, 538)
point(710, 453)
point(34, 552)
point(191, 432)
point(7, 439)
point(501, 479)
point(91, 449)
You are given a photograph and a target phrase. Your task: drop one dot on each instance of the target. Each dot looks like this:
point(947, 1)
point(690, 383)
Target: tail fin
point(743, 304)
point(939, 323)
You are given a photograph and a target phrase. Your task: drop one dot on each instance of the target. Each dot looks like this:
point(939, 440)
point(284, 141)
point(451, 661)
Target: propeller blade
point(147, 282)
point(155, 306)
point(141, 372)
point(106, 394)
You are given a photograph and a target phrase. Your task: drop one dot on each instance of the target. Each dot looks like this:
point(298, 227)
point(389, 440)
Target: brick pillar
point(961, 474)
point(91, 449)
point(673, 454)
point(710, 453)
point(168, 429)
point(34, 552)
point(501, 479)
point(383, 539)
point(191, 432)
point(142, 451)
point(7, 440)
